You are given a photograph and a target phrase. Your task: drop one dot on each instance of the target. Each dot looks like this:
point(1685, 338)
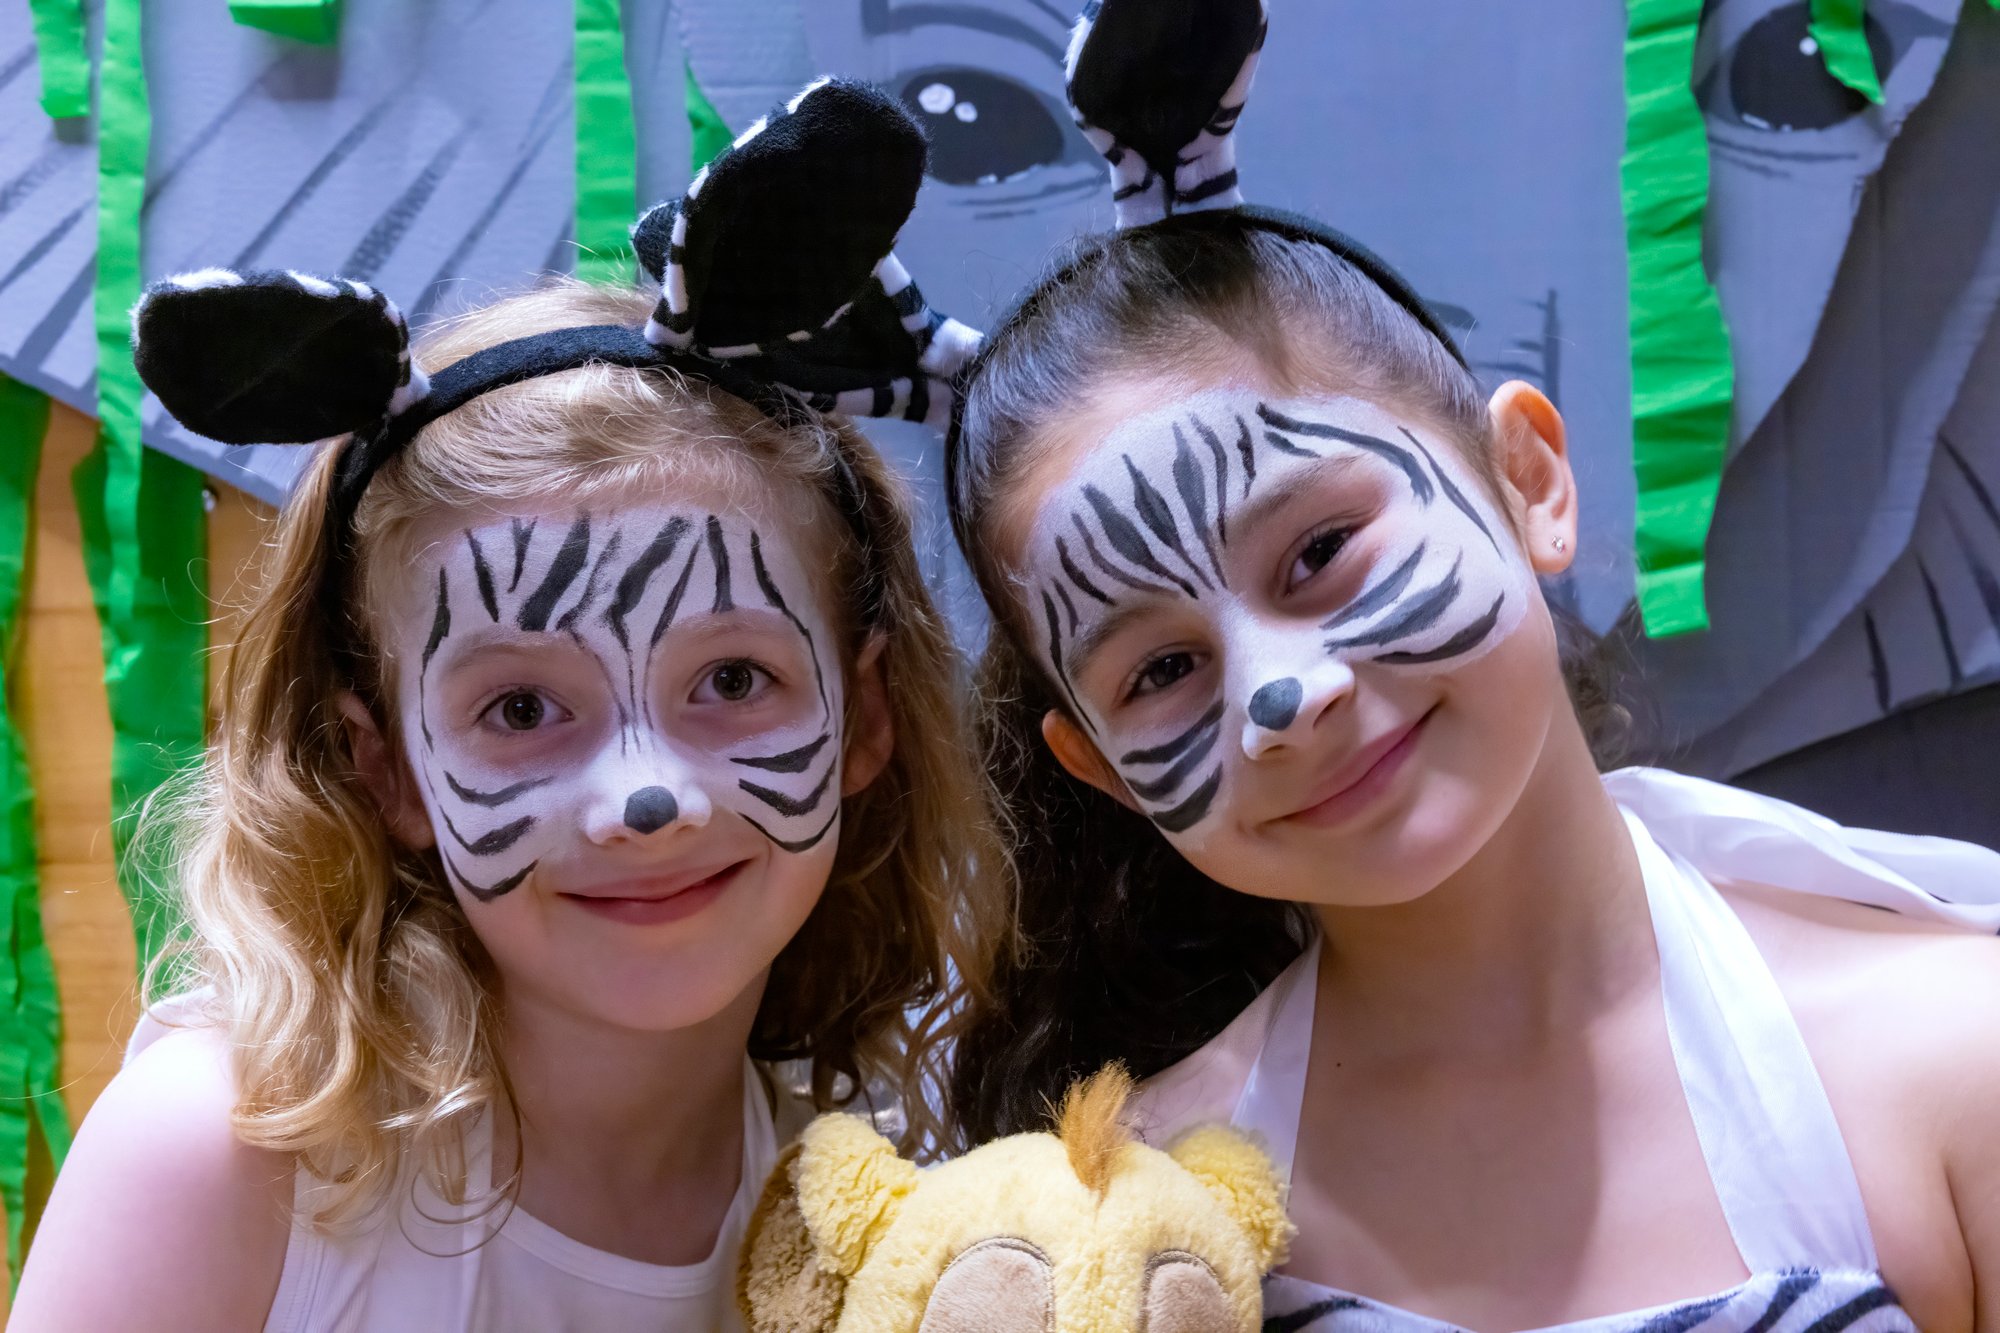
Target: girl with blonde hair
point(588, 752)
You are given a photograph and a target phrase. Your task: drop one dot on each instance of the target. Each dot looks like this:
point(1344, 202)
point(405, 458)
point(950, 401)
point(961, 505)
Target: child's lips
point(655, 900)
point(1363, 777)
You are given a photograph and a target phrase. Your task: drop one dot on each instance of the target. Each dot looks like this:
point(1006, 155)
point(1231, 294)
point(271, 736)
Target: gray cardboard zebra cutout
point(778, 285)
point(1173, 509)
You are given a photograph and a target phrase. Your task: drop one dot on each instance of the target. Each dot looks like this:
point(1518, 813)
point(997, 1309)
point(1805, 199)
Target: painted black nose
point(1276, 703)
point(650, 809)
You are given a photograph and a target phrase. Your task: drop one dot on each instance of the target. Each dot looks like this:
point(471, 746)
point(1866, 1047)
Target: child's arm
point(161, 1219)
point(1972, 1157)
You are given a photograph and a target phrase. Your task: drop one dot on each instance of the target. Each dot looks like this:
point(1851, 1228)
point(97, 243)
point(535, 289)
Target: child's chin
point(664, 1004)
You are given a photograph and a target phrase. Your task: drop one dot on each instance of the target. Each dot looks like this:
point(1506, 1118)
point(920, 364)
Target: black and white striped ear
point(779, 257)
point(785, 226)
point(1157, 86)
point(273, 357)
point(888, 354)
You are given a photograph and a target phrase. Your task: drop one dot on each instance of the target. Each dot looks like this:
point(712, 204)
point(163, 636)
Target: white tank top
point(1767, 1131)
point(424, 1266)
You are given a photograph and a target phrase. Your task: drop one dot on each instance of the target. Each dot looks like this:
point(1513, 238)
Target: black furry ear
point(273, 358)
point(652, 235)
point(778, 259)
point(785, 226)
point(1157, 86)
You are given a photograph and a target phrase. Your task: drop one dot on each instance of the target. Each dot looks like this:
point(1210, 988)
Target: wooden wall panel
point(60, 703)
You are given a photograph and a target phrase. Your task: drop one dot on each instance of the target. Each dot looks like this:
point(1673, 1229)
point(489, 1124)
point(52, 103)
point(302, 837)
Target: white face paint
point(575, 684)
point(1208, 578)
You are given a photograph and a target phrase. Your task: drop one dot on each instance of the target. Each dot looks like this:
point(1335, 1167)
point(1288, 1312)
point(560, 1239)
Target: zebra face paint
point(592, 695)
point(1209, 578)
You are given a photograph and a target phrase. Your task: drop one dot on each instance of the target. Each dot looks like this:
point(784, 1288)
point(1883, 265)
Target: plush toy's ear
point(786, 225)
point(851, 1184)
point(1243, 1181)
point(780, 1285)
point(1156, 86)
point(273, 358)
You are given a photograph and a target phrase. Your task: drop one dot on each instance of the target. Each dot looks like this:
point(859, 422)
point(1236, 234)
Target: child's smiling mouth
point(645, 902)
point(1359, 781)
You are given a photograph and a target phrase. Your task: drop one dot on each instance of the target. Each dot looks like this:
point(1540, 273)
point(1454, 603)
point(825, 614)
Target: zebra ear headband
point(777, 283)
point(1157, 87)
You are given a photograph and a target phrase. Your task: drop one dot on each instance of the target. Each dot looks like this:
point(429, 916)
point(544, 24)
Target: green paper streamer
point(158, 703)
point(142, 514)
point(607, 173)
point(1682, 379)
point(1843, 45)
point(63, 53)
point(124, 133)
point(30, 1007)
point(710, 135)
point(301, 20)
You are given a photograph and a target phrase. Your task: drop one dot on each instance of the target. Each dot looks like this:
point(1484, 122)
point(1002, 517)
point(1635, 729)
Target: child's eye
point(1161, 672)
point(732, 682)
point(523, 710)
point(1316, 554)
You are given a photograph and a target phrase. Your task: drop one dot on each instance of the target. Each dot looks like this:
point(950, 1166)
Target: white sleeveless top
point(1767, 1132)
point(425, 1266)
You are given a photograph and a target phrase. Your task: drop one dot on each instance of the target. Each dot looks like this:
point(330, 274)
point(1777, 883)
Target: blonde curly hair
point(357, 1002)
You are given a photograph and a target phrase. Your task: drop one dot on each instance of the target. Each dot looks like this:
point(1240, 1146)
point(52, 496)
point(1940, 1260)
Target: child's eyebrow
point(1091, 639)
point(1274, 496)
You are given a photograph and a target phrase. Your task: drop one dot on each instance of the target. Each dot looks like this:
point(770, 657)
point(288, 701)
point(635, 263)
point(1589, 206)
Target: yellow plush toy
point(1083, 1230)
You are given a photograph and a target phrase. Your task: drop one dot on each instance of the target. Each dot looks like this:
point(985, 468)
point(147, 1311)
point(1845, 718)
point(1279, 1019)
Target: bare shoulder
point(1935, 987)
point(161, 1217)
point(1901, 1018)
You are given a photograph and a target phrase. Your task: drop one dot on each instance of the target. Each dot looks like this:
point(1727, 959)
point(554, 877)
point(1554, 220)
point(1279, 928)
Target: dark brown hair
point(1129, 952)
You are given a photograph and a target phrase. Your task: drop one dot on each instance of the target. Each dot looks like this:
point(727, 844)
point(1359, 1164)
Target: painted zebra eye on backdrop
point(984, 78)
point(1771, 76)
point(984, 128)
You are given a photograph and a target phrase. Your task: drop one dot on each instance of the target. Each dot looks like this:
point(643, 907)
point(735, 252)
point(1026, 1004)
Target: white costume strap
point(1774, 1150)
point(1274, 1095)
point(1252, 1074)
point(1730, 835)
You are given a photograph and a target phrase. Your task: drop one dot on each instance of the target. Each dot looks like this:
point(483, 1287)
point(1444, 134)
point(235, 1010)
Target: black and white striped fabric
point(779, 257)
point(1795, 1301)
point(1157, 86)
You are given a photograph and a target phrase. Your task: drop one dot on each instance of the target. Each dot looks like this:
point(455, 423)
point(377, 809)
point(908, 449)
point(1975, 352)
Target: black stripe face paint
point(575, 696)
point(1209, 579)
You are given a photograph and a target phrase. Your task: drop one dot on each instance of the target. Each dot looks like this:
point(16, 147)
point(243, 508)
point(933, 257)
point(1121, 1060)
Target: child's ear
point(386, 778)
point(871, 736)
point(1534, 462)
point(1079, 754)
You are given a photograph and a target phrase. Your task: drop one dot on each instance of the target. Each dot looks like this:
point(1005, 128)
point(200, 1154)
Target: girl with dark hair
point(1310, 832)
